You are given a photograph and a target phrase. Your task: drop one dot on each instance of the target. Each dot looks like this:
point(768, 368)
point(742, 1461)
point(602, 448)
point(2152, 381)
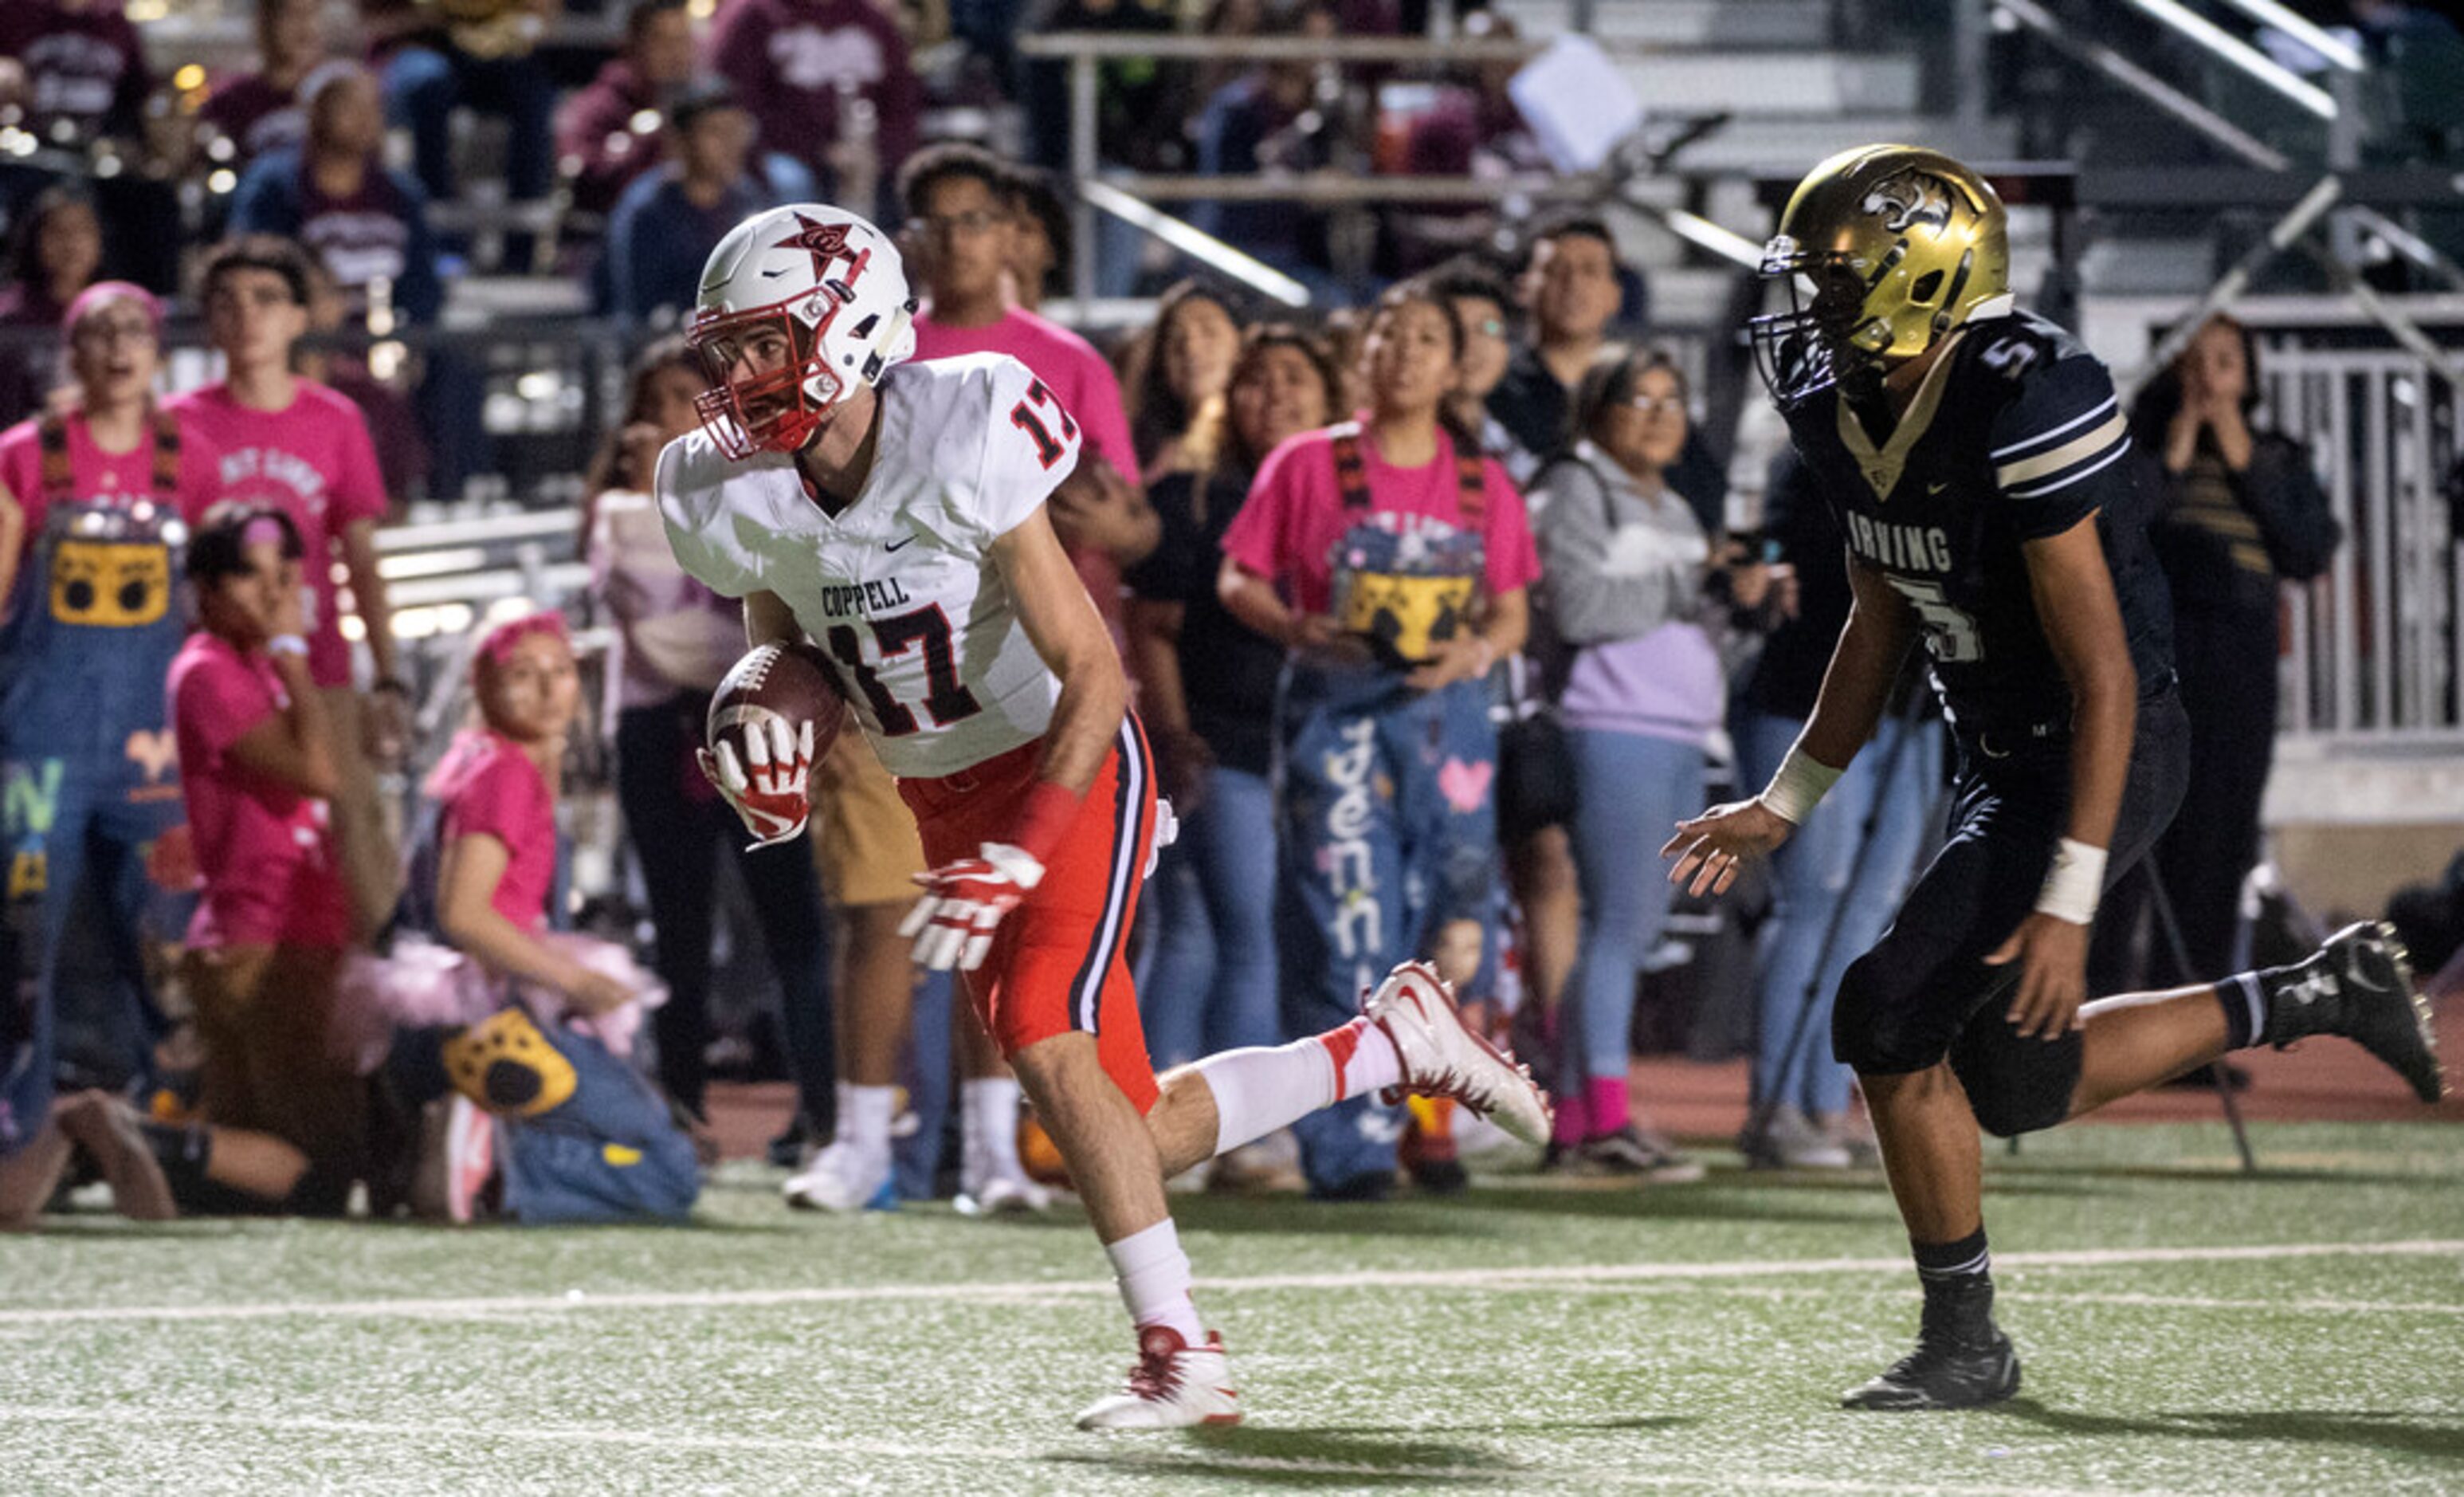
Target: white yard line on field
point(1094, 1453)
point(1500, 1278)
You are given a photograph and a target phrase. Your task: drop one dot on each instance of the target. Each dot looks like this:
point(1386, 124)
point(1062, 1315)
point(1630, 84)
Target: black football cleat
point(2357, 985)
point(1948, 1370)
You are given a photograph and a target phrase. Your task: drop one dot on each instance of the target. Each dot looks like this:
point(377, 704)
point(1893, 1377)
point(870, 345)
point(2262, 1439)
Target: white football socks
point(1153, 1275)
point(989, 1108)
point(863, 1118)
point(1258, 1090)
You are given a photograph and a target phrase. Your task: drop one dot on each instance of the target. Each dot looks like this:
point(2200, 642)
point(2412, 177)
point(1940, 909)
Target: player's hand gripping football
point(1715, 845)
point(964, 901)
point(771, 788)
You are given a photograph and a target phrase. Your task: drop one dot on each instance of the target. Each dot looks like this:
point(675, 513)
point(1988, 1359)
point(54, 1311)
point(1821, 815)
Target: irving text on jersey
point(1901, 548)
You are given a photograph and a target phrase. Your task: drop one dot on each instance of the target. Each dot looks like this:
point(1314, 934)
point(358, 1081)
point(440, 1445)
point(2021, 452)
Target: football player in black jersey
point(1982, 472)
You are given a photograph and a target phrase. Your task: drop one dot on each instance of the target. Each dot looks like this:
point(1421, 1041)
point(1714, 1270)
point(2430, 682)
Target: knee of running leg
point(2011, 1099)
point(1868, 1028)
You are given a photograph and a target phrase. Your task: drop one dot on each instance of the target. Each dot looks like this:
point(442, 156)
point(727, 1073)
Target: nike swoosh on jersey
point(893, 546)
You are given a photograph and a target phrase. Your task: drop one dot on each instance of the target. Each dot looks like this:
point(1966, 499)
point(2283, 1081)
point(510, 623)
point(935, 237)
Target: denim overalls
point(89, 771)
point(1389, 820)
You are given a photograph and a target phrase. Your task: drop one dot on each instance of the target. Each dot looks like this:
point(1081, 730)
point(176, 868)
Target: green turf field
point(2184, 1330)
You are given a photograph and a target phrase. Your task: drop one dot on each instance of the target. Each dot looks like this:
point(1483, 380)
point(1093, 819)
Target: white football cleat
point(843, 1178)
point(1443, 1057)
point(999, 1193)
point(1173, 1386)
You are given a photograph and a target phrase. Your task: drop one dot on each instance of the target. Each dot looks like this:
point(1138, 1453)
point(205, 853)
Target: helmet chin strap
point(877, 363)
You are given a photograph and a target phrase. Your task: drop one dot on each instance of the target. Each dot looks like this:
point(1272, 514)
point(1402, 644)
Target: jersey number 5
point(1023, 416)
point(946, 697)
point(1950, 630)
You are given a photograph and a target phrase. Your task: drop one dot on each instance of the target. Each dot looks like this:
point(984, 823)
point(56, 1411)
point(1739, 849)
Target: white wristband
point(2073, 884)
point(1799, 785)
point(286, 645)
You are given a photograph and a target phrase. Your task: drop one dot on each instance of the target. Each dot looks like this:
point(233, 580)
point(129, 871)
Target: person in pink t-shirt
point(296, 445)
point(961, 228)
point(1392, 561)
point(92, 508)
point(266, 945)
point(494, 791)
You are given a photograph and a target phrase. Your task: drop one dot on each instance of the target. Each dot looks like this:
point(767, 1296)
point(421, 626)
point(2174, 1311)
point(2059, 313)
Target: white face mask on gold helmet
point(799, 307)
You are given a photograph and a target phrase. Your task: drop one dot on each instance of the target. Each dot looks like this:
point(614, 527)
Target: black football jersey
point(2015, 434)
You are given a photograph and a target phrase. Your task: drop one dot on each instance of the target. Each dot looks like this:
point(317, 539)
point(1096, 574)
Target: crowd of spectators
point(1433, 602)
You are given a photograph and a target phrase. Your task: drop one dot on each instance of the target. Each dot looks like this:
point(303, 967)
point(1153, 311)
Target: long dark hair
point(26, 253)
point(607, 470)
point(1158, 414)
point(1230, 459)
point(1422, 291)
point(2152, 413)
point(1256, 343)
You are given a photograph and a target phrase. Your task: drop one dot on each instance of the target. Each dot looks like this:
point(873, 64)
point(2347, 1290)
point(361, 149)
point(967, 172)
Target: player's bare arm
point(1857, 685)
point(1252, 599)
point(1066, 631)
point(769, 621)
point(2082, 621)
point(12, 536)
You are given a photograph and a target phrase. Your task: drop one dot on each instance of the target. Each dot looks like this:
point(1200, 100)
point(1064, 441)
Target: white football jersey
point(896, 589)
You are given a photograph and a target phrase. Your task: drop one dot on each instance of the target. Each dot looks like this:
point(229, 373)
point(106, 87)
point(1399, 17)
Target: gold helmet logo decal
point(1908, 199)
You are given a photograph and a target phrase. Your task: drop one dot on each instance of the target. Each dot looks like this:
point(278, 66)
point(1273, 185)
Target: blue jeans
point(1211, 986)
point(1389, 831)
point(1833, 892)
point(608, 1153)
point(1630, 791)
point(915, 1161)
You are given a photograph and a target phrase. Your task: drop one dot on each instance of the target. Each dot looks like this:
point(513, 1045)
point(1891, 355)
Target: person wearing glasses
point(94, 501)
point(1632, 588)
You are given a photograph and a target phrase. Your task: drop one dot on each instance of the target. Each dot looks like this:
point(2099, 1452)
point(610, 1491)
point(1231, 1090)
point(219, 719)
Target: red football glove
point(964, 901)
point(773, 799)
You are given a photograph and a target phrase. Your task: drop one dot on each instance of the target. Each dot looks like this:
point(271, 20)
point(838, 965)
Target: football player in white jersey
point(894, 513)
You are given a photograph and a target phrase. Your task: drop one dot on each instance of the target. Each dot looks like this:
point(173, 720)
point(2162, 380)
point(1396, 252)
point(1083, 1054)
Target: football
point(793, 682)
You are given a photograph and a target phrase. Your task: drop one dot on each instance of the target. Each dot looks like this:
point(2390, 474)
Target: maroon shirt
point(786, 57)
point(85, 68)
point(256, 116)
point(606, 135)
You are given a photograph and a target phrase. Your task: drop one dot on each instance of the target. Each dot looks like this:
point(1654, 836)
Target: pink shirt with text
point(263, 848)
point(1294, 524)
point(487, 785)
point(313, 461)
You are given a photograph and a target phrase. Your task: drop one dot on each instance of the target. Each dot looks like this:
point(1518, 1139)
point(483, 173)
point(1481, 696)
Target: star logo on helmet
point(827, 244)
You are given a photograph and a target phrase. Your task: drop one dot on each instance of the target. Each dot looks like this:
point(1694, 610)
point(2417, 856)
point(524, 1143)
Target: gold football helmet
point(1883, 249)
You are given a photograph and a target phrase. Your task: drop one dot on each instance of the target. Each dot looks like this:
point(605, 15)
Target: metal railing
point(1085, 51)
point(2374, 643)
